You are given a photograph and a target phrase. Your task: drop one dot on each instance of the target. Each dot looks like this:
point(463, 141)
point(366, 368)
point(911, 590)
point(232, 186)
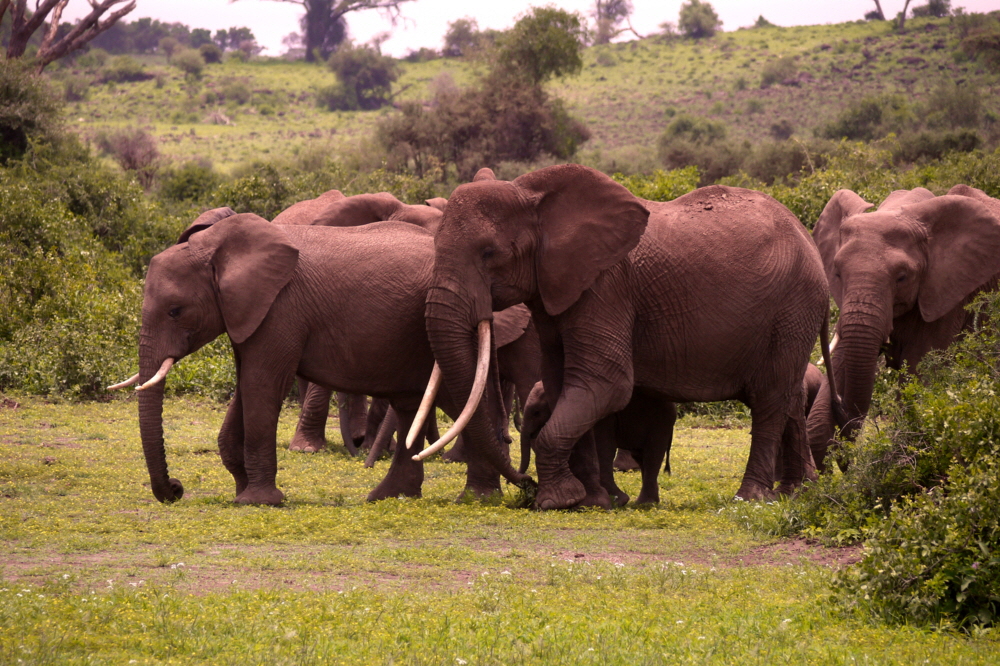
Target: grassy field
point(624, 93)
point(96, 571)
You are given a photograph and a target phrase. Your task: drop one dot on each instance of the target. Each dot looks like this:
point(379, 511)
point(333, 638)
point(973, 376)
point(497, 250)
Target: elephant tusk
point(833, 345)
point(128, 382)
point(482, 368)
point(158, 377)
point(426, 406)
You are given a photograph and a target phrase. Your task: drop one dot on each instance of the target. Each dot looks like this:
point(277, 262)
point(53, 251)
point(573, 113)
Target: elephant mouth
point(152, 381)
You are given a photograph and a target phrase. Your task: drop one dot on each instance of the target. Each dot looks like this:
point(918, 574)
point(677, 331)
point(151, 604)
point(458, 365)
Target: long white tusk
point(482, 367)
point(833, 344)
point(128, 382)
point(158, 377)
point(426, 405)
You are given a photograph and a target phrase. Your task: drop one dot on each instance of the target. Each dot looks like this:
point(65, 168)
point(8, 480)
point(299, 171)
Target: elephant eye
point(489, 252)
point(901, 278)
point(174, 313)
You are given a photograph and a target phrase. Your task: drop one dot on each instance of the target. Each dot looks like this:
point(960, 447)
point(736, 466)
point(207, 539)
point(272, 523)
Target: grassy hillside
point(626, 92)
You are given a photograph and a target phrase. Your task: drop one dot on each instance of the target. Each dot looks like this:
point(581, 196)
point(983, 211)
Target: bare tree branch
point(84, 31)
point(50, 34)
point(878, 7)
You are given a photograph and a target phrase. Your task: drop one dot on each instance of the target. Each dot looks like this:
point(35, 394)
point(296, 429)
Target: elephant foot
point(397, 484)
point(479, 494)
point(750, 492)
point(618, 496)
point(306, 443)
point(600, 498)
point(787, 489)
point(562, 494)
point(266, 495)
point(648, 498)
point(624, 462)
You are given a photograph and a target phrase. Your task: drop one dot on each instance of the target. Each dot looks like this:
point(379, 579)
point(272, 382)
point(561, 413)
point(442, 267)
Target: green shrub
point(366, 75)
point(124, 69)
point(336, 97)
point(193, 181)
point(867, 119)
point(76, 88)
point(29, 110)
point(954, 105)
point(935, 145)
point(661, 185)
point(236, 91)
point(93, 59)
point(984, 45)
point(189, 61)
point(210, 53)
point(778, 71)
point(698, 19)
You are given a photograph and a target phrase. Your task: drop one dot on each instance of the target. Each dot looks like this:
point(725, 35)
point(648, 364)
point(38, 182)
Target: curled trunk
point(861, 338)
point(164, 488)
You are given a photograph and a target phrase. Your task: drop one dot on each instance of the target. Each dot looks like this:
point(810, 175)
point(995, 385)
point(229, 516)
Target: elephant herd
point(599, 311)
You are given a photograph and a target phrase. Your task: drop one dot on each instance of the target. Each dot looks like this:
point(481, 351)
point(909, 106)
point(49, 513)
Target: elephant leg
point(604, 439)
point(820, 427)
point(405, 475)
point(261, 407)
point(381, 443)
point(310, 432)
point(376, 414)
point(345, 404)
point(303, 388)
point(457, 452)
point(231, 441)
point(769, 417)
point(431, 431)
point(358, 407)
point(624, 462)
point(658, 437)
point(585, 462)
point(796, 458)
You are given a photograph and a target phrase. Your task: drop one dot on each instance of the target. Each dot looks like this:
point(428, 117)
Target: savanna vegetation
point(106, 158)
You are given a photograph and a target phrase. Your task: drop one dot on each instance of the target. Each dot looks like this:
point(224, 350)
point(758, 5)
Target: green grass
point(96, 571)
point(623, 93)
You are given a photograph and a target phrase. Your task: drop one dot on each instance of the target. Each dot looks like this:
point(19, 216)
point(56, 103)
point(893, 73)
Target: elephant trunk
point(861, 338)
point(452, 323)
point(164, 488)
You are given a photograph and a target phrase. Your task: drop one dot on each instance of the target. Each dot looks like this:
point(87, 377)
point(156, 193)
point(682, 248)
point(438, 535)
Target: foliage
point(778, 71)
point(189, 61)
point(193, 181)
point(935, 8)
point(954, 105)
point(210, 53)
point(984, 44)
point(29, 109)
point(609, 15)
point(462, 38)
point(545, 43)
point(867, 119)
point(124, 69)
point(661, 185)
point(365, 74)
point(698, 19)
point(135, 150)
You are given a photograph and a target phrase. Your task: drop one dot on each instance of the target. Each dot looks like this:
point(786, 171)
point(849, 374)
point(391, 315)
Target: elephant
point(333, 209)
point(719, 294)
point(645, 429)
point(297, 300)
point(901, 276)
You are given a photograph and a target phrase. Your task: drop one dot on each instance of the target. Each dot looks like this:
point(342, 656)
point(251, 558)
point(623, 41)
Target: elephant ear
point(359, 209)
point(304, 212)
point(963, 250)
point(587, 224)
point(252, 260)
point(900, 198)
point(842, 205)
point(204, 221)
point(509, 324)
point(437, 202)
point(485, 173)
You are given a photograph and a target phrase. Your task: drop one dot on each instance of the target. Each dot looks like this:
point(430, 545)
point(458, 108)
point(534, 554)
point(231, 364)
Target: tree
point(324, 25)
point(935, 8)
point(609, 15)
point(462, 37)
point(366, 75)
point(54, 45)
point(544, 43)
point(698, 19)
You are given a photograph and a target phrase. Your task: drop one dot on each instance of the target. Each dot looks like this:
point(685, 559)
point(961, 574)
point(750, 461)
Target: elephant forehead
point(491, 199)
point(883, 228)
point(170, 269)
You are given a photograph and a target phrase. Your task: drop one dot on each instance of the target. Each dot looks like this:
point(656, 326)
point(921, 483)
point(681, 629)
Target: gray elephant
point(297, 300)
point(717, 295)
point(645, 429)
point(902, 276)
point(333, 209)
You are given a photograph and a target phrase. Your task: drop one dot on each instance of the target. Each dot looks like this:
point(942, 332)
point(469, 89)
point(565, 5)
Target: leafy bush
point(192, 181)
point(935, 145)
point(935, 8)
point(124, 69)
point(76, 88)
point(778, 71)
point(135, 150)
point(867, 119)
point(545, 43)
point(336, 97)
point(692, 140)
point(954, 105)
point(189, 61)
point(93, 59)
point(236, 91)
point(366, 75)
point(698, 19)
point(984, 44)
point(210, 53)
point(661, 185)
point(29, 109)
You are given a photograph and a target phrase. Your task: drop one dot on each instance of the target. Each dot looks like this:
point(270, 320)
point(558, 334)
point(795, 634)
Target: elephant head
point(367, 208)
point(222, 276)
point(542, 239)
point(917, 255)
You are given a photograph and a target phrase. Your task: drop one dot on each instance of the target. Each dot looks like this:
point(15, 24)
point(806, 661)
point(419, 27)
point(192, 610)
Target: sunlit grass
point(95, 570)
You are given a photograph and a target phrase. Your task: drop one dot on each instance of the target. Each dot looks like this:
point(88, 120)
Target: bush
point(336, 97)
point(189, 61)
point(954, 105)
point(778, 71)
point(76, 88)
point(236, 91)
point(210, 53)
point(698, 19)
point(931, 145)
point(935, 8)
point(29, 110)
point(193, 181)
point(545, 43)
point(135, 150)
point(124, 69)
point(661, 185)
point(869, 118)
point(365, 74)
point(93, 59)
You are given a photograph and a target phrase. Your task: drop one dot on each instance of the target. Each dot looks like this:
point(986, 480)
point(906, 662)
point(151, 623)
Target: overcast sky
point(424, 21)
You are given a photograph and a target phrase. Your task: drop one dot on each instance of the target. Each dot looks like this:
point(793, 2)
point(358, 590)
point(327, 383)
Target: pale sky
point(424, 22)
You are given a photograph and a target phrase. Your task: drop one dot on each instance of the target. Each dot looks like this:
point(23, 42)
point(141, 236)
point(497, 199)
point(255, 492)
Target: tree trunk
point(164, 488)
